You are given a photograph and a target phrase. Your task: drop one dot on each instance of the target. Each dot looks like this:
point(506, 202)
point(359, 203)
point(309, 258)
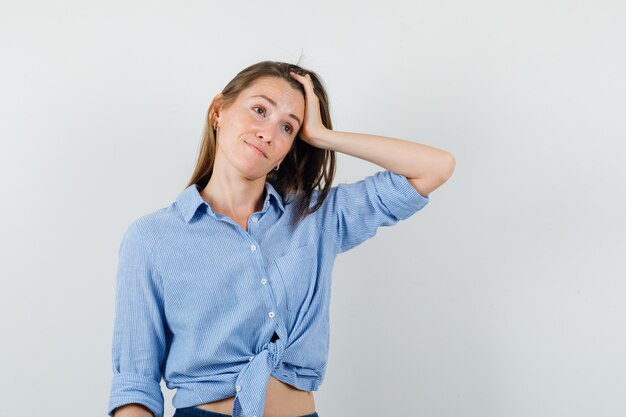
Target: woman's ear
point(216, 106)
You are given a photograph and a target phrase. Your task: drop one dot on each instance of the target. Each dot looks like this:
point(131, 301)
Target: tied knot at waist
point(251, 384)
point(276, 349)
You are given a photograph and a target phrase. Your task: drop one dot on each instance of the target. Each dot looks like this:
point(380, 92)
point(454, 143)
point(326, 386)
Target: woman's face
point(267, 116)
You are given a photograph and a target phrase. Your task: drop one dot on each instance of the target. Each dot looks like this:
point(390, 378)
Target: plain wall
point(504, 296)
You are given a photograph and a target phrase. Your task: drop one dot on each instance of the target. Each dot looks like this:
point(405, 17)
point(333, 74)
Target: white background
point(504, 296)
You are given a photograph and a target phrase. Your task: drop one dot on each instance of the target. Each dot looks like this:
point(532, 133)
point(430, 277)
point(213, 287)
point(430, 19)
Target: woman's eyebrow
point(274, 104)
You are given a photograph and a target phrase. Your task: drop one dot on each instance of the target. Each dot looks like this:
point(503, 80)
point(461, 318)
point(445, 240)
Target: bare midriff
point(281, 400)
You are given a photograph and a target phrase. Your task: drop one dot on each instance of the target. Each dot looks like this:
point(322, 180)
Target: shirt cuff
point(407, 201)
point(133, 388)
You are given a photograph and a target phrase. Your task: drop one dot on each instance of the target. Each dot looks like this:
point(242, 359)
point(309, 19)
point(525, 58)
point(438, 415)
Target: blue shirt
point(215, 310)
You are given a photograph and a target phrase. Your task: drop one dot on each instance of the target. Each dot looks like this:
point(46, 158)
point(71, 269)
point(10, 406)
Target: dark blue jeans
point(199, 412)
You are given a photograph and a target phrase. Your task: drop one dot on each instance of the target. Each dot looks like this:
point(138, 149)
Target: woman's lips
point(257, 150)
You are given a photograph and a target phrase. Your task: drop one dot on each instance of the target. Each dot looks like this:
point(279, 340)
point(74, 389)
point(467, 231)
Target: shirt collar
point(190, 199)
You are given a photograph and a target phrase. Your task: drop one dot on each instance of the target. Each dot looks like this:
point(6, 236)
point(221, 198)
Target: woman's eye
point(289, 129)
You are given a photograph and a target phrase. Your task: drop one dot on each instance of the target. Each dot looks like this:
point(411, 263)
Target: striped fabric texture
point(214, 309)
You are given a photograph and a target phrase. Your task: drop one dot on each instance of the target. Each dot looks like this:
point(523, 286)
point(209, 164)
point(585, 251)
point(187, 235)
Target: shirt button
point(254, 219)
point(271, 314)
point(253, 247)
point(238, 388)
point(263, 281)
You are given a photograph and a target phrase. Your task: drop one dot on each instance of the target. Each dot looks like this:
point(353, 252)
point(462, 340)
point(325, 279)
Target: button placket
point(271, 296)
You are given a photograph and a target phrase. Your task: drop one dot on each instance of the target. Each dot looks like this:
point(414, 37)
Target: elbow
point(451, 165)
point(438, 176)
point(447, 167)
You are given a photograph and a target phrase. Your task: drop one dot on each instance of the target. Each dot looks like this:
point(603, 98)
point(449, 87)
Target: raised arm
point(425, 167)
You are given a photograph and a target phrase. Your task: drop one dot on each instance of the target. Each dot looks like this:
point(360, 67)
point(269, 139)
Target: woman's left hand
point(312, 127)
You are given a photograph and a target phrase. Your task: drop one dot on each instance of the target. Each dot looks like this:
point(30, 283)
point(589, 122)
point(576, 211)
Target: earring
point(276, 169)
point(214, 125)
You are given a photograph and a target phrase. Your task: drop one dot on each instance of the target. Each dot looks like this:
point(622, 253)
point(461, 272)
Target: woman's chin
point(253, 171)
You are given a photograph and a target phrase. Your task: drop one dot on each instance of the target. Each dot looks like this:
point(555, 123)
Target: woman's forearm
point(413, 160)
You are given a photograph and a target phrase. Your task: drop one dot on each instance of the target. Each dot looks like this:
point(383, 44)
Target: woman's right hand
point(133, 410)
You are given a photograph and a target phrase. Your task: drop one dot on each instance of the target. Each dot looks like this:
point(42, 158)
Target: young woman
point(225, 293)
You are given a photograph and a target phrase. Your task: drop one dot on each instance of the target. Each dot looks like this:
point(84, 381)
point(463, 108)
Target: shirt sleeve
point(139, 342)
point(356, 210)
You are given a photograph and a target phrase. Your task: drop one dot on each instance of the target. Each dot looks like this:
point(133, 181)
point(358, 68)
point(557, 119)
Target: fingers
point(298, 75)
point(305, 80)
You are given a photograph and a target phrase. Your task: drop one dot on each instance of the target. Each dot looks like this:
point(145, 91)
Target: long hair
point(303, 169)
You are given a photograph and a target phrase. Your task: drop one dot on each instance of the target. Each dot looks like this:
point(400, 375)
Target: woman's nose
point(266, 132)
